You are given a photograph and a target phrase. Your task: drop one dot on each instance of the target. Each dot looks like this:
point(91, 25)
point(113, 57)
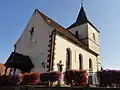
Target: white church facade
point(46, 43)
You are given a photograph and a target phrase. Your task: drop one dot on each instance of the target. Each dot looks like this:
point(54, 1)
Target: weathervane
point(81, 2)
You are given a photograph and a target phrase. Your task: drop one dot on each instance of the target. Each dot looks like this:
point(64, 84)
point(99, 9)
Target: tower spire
point(81, 19)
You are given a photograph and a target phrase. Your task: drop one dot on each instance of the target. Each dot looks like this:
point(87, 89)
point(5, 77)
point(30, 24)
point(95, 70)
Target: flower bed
point(9, 80)
point(14, 79)
point(75, 77)
point(3, 80)
point(109, 77)
point(30, 78)
point(50, 77)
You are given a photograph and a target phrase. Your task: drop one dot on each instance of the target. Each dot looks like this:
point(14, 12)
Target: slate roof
point(65, 32)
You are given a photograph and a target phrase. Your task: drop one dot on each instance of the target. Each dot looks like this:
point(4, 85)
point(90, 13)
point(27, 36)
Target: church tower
point(86, 32)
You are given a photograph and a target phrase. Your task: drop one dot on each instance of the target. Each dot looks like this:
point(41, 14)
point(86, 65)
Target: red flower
point(76, 77)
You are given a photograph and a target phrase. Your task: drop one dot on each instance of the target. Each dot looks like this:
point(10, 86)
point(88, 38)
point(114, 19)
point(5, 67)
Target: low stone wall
point(50, 88)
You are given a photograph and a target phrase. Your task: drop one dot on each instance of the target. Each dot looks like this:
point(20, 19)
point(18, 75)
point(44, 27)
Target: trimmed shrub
point(10, 80)
point(50, 76)
point(75, 77)
point(30, 78)
point(4, 80)
point(15, 79)
point(109, 77)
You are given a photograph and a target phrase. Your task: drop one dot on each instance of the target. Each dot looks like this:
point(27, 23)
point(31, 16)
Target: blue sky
point(104, 14)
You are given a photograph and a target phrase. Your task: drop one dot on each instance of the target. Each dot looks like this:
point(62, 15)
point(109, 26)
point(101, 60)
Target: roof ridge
point(43, 15)
point(58, 27)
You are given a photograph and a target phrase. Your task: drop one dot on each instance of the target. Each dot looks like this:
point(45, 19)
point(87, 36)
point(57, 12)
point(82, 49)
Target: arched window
point(90, 65)
point(94, 36)
point(68, 58)
point(80, 61)
point(77, 33)
point(31, 32)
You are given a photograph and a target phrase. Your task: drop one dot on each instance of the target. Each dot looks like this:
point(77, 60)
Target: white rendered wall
point(86, 36)
point(37, 48)
point(60, 54)
point(82, 30)
point(93, 44)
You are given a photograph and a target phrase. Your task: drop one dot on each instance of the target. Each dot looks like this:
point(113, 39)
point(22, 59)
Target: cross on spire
point(81, 2)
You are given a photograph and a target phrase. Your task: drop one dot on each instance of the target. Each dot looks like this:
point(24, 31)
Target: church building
point(44, 43)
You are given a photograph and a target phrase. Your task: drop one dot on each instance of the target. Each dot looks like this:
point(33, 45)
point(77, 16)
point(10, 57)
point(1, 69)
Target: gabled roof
point(57, 26)
point(19, 61)
point(82, 19)
point(64, 32)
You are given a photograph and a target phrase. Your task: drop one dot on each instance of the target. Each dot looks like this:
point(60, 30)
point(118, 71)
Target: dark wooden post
point(5, 70)
point(10, 72)
point(14, 71)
